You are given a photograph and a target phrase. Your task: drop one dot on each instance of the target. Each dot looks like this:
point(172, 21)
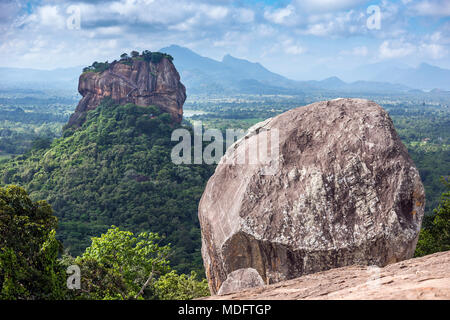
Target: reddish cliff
point(137, 81)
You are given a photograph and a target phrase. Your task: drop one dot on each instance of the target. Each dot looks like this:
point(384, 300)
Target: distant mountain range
point(424, 76)
point(232, 75)
point(62, 78)
point(201, 74)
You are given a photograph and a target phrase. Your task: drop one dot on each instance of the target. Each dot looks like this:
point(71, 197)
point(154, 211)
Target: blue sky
point(307, 39)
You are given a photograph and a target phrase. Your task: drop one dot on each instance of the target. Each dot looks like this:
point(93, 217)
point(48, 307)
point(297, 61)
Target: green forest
point(96, 196)
point(117, 265)
point(116, 170)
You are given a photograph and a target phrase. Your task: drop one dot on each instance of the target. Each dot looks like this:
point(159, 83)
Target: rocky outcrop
point(343, 191)
point(415, 279)
point(140, 82)
point(241, 279)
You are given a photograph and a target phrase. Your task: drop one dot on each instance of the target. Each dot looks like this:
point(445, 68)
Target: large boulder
point(342, 191)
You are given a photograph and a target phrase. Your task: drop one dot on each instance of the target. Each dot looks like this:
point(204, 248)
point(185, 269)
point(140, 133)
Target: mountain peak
point(229, 59)
point(333, 80)
point(173, 48)
point(425, 65)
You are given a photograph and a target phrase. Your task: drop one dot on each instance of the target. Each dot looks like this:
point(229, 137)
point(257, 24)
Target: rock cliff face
point(142, 83)
point(344, 192)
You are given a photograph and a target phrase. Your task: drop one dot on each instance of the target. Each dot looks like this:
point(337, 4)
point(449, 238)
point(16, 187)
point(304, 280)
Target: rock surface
point(241, 279)
point(142, 83)
point(419, 278)
point(344, 191)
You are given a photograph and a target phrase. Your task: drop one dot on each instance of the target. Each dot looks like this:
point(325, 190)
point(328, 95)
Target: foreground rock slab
point(414, 279)
point(342, 190)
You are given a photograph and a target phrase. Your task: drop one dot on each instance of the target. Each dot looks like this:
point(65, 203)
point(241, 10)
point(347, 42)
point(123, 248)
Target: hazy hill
point(60, 78)
point(232, 75)
point(203, 75)
point(424, 76)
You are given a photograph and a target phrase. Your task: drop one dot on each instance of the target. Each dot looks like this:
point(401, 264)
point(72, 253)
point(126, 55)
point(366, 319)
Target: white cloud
point(360, 51)
point(439, 8)
point(283, 16)
point(433, 50)
point(391, 49)
point(213, 28)
point(290, 47)
point(320, 29)
point(146, 11)
point(245, 15)
point(328, 5)
point(214, 12)
point(48, 16)
point(395, 49)
point(338, 24)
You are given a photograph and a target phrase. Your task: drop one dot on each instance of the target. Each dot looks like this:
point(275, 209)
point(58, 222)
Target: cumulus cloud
point(392, 49)
point(8, 10)
point(395, 49)
point(359, 51)
point(244, 15)
point(341, 19)
point(328, 5)
point(343, 24)
point(433, 50)
point(50, 16)
point(439, 8)
point(38, 33)
point(284, 16)
point(291, 47)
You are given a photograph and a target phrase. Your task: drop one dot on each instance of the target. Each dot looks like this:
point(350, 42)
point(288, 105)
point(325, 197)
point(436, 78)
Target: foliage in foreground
point(121, 265)
point(117, 265)
point(173, 286)
point(435, 233)
point(29, 268)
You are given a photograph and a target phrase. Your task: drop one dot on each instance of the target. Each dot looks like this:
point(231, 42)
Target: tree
point(134, 54)
point(156, 57)
point(29, 268)
point(120, 265)
point(41, 143)
point(147, 54)
point(124, 56)
point(435, 234)
point(172, 286)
